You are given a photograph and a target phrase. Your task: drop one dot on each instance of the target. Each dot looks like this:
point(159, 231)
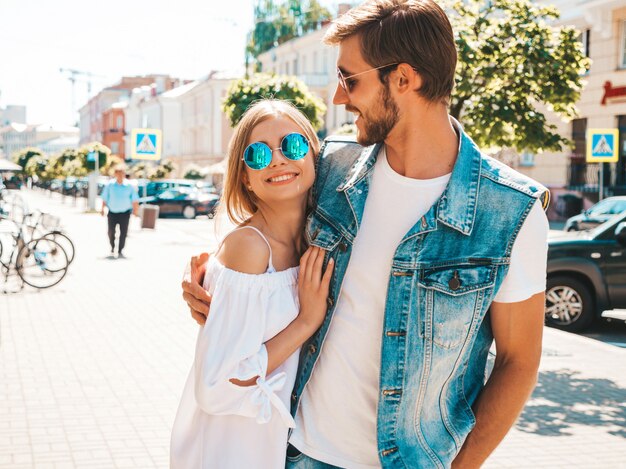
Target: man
point(438, 251)
point(121, 198)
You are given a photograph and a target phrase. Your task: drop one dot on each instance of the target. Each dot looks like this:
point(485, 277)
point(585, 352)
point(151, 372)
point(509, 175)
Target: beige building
point(602, 103)
point(314, 63)
point(194, 129)
point(48, 138)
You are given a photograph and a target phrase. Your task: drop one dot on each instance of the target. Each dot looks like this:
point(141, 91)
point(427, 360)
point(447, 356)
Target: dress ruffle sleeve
point(231, 346)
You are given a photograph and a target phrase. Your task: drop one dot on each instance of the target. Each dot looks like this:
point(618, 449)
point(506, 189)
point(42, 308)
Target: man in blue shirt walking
point(121, 198)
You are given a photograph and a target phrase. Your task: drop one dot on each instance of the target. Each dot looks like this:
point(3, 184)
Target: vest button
point(329, 301)
point(342, 247)
point(294, 396)
point(312, 349)
point(454, 283)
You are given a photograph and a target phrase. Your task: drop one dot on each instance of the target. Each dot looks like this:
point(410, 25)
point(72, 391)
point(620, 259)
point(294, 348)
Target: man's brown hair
point(416, 32)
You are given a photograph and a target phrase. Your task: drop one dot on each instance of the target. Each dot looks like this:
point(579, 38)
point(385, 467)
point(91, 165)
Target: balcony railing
point(582, 176)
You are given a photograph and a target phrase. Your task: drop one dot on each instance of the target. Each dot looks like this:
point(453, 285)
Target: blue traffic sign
point(602, 145)
point(146, 144)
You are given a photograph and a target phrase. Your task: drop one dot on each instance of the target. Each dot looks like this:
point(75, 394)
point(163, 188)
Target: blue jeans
point(302, 461)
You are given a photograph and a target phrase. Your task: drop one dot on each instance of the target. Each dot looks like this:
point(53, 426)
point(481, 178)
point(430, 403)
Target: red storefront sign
point(612, 93)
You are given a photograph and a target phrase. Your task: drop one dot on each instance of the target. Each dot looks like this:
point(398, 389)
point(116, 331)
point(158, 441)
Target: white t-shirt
point(336, 420)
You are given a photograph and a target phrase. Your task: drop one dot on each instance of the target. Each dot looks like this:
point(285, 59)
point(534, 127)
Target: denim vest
point(445, 273)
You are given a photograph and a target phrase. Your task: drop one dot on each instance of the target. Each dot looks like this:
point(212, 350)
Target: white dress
point(222, 425)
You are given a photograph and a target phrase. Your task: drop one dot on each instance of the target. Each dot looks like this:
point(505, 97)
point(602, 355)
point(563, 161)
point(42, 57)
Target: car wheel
point(189, 212)
point(211, 214)
point(569, 304)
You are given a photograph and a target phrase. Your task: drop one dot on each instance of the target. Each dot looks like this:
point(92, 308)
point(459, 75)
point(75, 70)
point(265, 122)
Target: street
point(91, 370)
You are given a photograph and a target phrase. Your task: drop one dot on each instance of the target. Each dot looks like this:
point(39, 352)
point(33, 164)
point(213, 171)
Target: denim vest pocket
point(454, 294)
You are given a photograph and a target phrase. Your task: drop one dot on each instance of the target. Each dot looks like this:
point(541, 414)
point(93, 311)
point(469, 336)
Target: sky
point(182, 38)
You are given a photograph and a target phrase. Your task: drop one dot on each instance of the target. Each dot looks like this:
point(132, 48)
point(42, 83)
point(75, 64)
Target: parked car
point(188, 202)
point(586, 274)
point(597, 214)
point(147, 188)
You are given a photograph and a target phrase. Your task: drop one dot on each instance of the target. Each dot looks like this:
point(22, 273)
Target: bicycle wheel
point(41, 263)
point(65, 242)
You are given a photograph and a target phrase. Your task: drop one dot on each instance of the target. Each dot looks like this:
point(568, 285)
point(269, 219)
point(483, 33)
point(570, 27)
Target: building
point(48, 138)
point(205, 130)
point(314, 63)
point(12, 113)
point(92, 123)
point(113, 129)
point(193, 126)
point(602, 104)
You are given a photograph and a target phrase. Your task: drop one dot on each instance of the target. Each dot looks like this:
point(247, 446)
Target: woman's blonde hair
point(238, 202)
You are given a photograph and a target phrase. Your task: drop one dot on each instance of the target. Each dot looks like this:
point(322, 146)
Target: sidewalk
point(91, 370)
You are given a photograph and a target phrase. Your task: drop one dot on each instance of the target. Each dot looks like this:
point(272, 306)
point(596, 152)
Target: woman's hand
point(196, 297)
point(313, 287)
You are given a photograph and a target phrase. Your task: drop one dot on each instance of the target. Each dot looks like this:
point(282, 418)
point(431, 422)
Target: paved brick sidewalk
point(91, 370)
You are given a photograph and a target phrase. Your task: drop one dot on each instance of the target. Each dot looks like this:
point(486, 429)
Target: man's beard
point(377, 127)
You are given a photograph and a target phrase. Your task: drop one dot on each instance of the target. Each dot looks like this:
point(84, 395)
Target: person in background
point(120, 198)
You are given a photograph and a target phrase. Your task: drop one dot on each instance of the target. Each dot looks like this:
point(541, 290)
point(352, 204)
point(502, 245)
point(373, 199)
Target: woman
point(234, 409)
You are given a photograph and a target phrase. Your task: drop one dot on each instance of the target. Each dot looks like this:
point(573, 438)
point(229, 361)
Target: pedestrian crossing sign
point(146, 144)
point(602, 145)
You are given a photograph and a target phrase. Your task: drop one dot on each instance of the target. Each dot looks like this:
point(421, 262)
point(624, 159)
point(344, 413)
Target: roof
point(180, 90)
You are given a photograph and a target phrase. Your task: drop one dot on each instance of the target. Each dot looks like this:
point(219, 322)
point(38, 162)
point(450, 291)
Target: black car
point(598, 214)
point(586, 274)
point(184, 201)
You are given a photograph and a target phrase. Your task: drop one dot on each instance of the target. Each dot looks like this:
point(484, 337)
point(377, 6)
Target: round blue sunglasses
point(258, 155)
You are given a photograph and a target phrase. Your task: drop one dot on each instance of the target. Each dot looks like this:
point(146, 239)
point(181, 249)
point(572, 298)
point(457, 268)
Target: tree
point(193, 172)
point(276, 23)
point(21, 157)
point(513, 62)
point(244, 92)
point(139, 170)
point(112, 162)
point(57, 163)
point(36, 166)
point(103, 155)
point(161, 171)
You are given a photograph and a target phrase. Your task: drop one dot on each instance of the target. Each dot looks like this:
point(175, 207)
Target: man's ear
point(407, 79)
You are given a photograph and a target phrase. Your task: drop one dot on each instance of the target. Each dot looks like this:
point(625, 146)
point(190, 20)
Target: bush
point(244, 92)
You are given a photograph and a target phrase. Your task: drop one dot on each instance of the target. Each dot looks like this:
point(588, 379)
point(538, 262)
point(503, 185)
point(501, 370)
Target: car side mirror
point(620, 233)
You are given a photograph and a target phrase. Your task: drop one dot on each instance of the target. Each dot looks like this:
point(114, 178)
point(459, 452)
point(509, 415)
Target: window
point(527, 159)
point(585, 38)
point(623, 47)
point(120, 122)
point(579, 135)
point(115, 146)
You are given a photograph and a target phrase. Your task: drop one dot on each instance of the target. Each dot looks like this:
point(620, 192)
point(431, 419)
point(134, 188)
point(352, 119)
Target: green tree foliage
point(36, 166)
point(56, 166)
point(512, 63)
point(244, 92)
point(21, 157)
point(276, 22)
point(193, 172)
point(139, 170)
point(161, 171)
point(112, 162)
point(103, 155)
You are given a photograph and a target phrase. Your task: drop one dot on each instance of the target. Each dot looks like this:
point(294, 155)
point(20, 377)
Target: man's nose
point(340, 96)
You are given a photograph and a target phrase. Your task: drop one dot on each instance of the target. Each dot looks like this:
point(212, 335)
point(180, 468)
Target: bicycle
point(40, 263)
point(48, 226)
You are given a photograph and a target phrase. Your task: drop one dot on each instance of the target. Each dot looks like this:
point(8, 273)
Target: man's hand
point(196, 297)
